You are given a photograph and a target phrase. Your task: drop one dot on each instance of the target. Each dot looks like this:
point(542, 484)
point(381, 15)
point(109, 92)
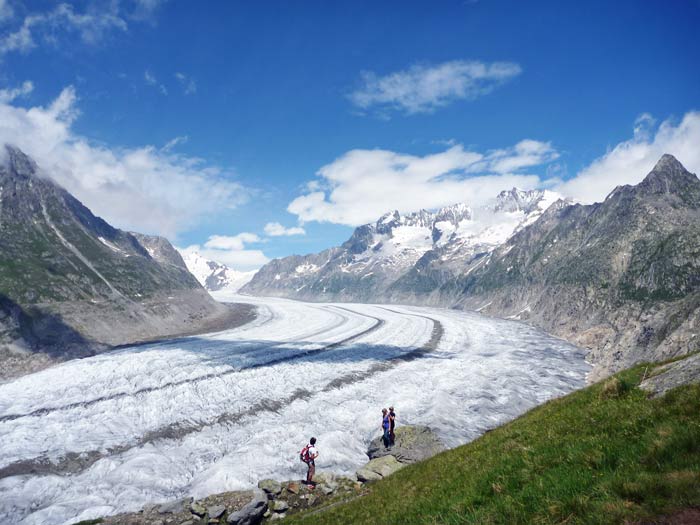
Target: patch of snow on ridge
point(306, 268)
point(111, 245)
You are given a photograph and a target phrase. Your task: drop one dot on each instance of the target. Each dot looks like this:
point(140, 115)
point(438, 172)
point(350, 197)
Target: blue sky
point(206, 122)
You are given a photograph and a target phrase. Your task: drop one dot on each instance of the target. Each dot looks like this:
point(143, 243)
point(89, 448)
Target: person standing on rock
point(308, 456)
point(392, 425)
point(385, 427)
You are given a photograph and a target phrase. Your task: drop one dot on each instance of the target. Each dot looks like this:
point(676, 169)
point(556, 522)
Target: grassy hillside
point(606, 454)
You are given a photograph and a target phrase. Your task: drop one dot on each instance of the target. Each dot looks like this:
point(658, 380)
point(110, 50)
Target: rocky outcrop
point(72, 285)
point(412, 444)
point(667, 377)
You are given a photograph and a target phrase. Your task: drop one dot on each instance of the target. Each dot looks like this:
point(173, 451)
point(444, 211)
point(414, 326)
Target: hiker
point(308, 455)
point(392, 425)
point(385, 427)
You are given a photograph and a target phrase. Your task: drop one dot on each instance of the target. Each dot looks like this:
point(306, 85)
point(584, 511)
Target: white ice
point(208, 390)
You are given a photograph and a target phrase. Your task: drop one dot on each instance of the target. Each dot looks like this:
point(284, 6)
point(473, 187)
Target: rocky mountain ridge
point(620, 277)
point(71, 284)
point(378, 261)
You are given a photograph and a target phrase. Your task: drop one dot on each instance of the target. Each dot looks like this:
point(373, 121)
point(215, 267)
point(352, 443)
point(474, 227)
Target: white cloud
point(174, 142)
point(143, 189)
point(144, 9)
point(189, 85)
point(275, 229)
point(92, 25)
point(8, 95)
point(631, 160)
point(361, 185)
point(232, 251)
point(6, 10)
point(422, 89)
point(235, 242)
point(151, 80)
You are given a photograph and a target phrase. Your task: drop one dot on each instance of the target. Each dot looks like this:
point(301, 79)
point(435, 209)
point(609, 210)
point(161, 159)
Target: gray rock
point(197, 509)
point(412, 444)
point(324, 477)
point(280, 506)
point(270, 486)
point(326, 489)
point(379, 468)
point(277, 517)
point(365, 475)
point(173, 507)
point(216, 511)
point(188, 522)
point(673, 375)
point(252, 513)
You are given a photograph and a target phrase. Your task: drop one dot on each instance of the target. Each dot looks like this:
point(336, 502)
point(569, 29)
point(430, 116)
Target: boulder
point(293, 487)
point(197, 509)
point(280, 506)
point(379, 468)
point(365, 475)
point(324, 477)
point(216, 511)
point(412, 444)
point(252, 513)
point(270, 486)
point(326, 489)
point(276, 517)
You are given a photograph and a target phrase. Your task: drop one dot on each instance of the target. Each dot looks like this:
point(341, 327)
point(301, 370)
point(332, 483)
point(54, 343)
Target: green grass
point(605, 454)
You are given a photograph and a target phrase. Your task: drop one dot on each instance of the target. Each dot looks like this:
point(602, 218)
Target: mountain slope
point(621, 277)
point(71, 284)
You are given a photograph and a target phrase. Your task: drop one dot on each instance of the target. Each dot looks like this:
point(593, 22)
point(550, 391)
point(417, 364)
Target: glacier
point(198, 415)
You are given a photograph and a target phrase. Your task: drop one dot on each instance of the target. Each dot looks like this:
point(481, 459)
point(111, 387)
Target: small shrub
point(612, 389)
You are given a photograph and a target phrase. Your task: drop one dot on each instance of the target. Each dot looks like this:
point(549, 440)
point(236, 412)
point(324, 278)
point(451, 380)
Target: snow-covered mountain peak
point(215, 276)
point(526, 201)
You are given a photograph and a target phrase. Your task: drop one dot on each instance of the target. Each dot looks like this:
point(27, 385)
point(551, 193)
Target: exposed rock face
point(71, 284)
point(621, 277)
point(672, 375)
point(412, 444)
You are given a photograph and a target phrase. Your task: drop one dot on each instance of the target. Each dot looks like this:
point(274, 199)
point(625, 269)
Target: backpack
point(304, 454)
